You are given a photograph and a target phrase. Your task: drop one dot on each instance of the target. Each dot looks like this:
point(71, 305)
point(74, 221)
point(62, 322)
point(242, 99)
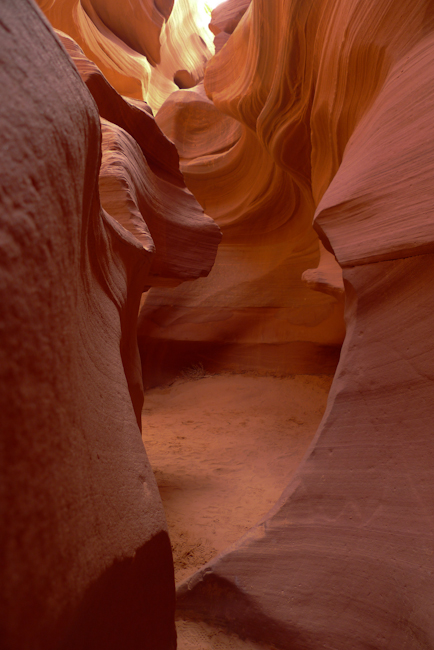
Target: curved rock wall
point(143, 48)
point(311, 111)
point(254, 311)
point(284, 97)
point(86, 560)
point(344, 558)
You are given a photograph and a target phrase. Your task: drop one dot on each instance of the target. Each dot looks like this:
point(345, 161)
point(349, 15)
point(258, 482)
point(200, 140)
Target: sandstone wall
point(311, 113)
point(344, 558)
point(86, 560)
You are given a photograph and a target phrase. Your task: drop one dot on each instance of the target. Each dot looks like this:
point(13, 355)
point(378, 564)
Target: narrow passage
point(223, 448)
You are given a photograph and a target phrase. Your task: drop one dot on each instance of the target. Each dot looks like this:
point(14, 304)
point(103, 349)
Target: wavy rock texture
point(174, 226)
point(134, 116)
point(313, 110)
point(224, 20)
point(85, 555)
point(226, 16)
point(141, 47)
point(344, 560)
point(253, 311)
point(186, 45)
point(392, 144)
point(127, 79)
point(137, 24)
point(142, 187)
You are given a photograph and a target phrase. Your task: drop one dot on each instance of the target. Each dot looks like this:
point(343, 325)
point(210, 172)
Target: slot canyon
point(216, 357)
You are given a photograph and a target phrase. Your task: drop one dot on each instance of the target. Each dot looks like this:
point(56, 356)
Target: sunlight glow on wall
point(210, 4)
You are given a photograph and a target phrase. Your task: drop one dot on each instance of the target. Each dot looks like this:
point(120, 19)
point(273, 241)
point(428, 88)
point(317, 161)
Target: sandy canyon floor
point(223, 448)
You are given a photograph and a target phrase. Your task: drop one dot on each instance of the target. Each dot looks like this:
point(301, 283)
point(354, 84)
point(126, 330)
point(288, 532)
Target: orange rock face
point(63, 15)
point(344, 558)
point(137, 24)
point(254, 311)
point(142, 187)
point(144, 48)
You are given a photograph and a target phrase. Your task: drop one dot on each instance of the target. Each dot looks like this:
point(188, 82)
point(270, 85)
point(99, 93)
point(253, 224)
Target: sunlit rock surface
point(338, 94)
point(141, 47)
point(127, 79)
point(254, 311)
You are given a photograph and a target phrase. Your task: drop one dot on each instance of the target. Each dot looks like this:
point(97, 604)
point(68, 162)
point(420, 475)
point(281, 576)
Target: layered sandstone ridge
point(341, 101)
point(141, 186)
point(254, 311)
point(283, 101)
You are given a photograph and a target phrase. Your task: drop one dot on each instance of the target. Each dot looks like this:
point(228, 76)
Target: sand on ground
point(223, 448)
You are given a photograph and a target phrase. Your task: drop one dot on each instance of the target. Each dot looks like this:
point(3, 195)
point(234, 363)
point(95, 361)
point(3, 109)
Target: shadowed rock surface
point(142, 187)
point(85, 555)
point(226, 16)
point(344, 559)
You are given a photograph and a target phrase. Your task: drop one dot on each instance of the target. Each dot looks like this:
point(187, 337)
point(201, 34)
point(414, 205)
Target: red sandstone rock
point(382, 190)
point(85, 556)
point(142, 187)
point(132, 115)
point(253, 311)
point(184, 79)
point(344, 559)
point(226, 16)
point(137, 24)
point(191, 120)
point(319, 108)
point(165, 218)
point(327, 277)
point(220, 40)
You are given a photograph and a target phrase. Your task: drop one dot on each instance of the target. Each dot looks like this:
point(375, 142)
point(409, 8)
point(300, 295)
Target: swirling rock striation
point(63, 16)
point(142, 187)
point(143, 48)
point(165, 218)
point(132, 115)
point(254, 311)
point(344, 558)
point(313, 111)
